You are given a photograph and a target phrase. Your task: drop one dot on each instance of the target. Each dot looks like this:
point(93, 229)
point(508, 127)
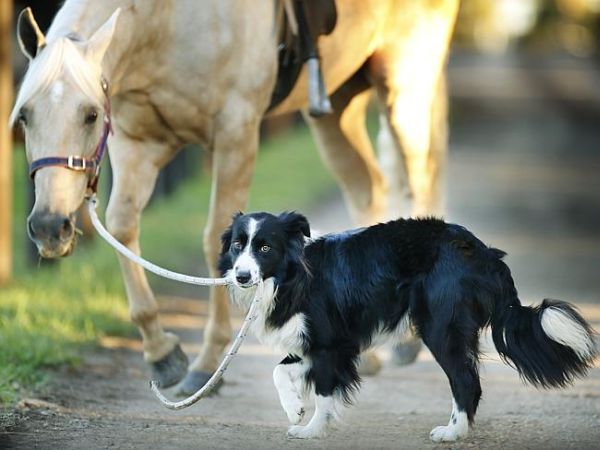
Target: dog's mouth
point(246, 285)
point(243, 279)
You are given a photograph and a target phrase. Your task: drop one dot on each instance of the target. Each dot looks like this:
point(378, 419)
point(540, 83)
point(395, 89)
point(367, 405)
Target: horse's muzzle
point(53, 234)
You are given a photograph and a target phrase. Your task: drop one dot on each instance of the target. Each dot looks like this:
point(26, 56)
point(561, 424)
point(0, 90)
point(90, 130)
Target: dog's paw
point(295, 412)
point(307, 432)
point(293, 406)
point(447, 434)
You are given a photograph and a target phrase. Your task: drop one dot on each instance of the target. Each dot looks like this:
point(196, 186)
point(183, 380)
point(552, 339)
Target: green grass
point(49, 315)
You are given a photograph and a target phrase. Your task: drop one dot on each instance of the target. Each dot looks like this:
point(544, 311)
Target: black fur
point(353, 284)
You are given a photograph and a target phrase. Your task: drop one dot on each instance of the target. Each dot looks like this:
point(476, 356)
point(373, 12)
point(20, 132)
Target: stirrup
point(318, 100)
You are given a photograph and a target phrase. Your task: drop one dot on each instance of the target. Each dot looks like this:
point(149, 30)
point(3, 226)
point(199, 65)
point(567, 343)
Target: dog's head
point(260, 246)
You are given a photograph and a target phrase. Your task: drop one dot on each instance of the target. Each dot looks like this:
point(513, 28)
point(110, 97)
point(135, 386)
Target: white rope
point(92, 202)
point(250, 316)
point(216, 377)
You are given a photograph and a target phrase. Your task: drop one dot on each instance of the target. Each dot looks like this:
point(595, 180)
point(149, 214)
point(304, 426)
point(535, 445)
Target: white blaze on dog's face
point(246, 270)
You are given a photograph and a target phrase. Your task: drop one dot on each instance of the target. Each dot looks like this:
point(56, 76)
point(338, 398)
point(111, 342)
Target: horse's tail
point(549, 344)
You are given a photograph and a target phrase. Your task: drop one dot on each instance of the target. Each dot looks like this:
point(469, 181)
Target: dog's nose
point(242, 277)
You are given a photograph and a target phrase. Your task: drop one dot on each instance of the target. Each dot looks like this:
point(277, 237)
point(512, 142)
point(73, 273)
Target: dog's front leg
point(317, 427)
point(321, 371)
point(288, 377)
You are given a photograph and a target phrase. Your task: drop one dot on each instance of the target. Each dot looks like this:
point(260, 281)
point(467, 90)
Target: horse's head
point(61, 107)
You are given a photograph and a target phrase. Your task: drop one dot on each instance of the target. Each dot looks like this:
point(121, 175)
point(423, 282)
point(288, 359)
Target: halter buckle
point(76, 163)
point(104, 85)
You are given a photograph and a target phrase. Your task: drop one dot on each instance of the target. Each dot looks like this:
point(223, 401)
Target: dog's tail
point(549, 344)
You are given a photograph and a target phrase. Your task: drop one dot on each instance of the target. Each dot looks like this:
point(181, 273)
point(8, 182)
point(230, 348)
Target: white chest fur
point(285, 339)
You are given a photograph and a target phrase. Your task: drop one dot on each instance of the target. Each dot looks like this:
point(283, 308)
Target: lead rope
point(200, 281)
point(250, 316)
point(216, 377)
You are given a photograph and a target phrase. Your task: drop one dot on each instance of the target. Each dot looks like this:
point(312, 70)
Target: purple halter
point(91, 166)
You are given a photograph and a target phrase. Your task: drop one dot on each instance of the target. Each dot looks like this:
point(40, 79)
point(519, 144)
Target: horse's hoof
point(171, 369)
point(193, 381)
point(369, 363)
point(406, 352)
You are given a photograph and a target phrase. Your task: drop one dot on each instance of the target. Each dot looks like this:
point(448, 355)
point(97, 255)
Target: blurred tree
point(6, 89)
point(546, 25)
point(492, 26)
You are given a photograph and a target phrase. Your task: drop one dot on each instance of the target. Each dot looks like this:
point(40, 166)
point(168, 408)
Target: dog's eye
point(265, 248)
point(237, 245)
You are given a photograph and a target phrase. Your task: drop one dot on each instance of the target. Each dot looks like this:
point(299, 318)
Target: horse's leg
point(408, 74)
point(393, 166)
point(345, 147)
point(135, 166)
point(413, 136)
point(428, 196)
point(235, 147)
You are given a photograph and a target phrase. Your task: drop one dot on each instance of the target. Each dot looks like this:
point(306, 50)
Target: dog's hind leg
point(457, 428)
point(454, 346)
point(466, 392)
point(288, 377)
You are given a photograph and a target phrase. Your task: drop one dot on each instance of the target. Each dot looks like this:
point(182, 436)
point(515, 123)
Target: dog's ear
point(295, 223)
point(228, 233)
point(226, 239)
point(224, 262)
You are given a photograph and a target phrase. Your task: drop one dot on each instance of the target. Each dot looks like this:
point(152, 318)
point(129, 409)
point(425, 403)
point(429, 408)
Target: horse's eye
point(265, 248)
point(22, 117)
point(237, 245)
point(91, 117)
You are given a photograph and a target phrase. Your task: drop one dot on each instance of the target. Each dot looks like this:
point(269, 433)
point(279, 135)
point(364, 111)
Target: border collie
point(327, 299)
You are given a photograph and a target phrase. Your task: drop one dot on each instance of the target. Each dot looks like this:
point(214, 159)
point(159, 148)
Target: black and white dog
point(327, 299)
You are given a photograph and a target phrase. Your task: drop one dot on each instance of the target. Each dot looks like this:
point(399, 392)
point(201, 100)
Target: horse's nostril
point(44, 228)
point(30, 228)
point(66, 229)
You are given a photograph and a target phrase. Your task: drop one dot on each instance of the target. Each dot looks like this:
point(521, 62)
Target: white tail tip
point(561, 327)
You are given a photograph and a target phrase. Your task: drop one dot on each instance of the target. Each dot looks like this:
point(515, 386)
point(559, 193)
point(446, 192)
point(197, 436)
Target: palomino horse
point(203, 71)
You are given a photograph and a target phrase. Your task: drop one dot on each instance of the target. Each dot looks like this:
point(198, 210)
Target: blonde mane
point(62, 56)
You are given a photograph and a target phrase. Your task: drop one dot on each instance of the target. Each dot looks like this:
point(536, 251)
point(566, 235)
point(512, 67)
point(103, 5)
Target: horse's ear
point(98, 44)
point(295, 223)
point(30, 37)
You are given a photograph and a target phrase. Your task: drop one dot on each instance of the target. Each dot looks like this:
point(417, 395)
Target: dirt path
point(524, 180)
point(106, 403)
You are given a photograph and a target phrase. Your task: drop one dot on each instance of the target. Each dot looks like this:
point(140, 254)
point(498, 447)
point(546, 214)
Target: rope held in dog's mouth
point(201, 281)
point(216, 377)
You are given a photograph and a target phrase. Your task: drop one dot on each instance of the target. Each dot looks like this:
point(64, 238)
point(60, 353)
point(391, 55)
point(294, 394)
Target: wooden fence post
point(6, 94)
